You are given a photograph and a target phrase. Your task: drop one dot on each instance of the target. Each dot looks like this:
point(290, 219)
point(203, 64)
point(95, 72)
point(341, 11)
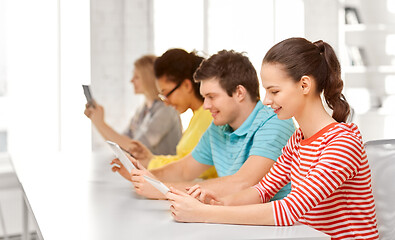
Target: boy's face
point(223, 108)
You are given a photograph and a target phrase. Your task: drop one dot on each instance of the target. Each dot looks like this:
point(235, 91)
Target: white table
point(80, 198)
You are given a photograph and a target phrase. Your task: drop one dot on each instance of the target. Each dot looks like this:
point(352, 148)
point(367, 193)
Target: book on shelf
point(352, 15)
point(357, 56)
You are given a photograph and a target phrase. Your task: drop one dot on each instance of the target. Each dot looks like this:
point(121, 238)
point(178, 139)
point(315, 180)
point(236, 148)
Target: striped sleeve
point(339, 161)
point(279, 174)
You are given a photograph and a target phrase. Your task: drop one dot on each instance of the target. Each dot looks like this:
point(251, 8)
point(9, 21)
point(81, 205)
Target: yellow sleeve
point(197, 126)
point(209, 173)
point(161, 160)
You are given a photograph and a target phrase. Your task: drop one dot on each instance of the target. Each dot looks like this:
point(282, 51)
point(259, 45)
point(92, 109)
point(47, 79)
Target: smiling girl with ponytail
point(301, 57)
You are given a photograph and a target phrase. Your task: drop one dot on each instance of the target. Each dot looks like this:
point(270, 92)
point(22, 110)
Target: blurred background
point(49, 48)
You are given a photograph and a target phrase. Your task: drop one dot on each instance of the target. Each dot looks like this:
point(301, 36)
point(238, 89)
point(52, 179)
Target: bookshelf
point(367, 56)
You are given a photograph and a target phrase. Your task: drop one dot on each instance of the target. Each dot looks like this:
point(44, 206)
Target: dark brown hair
point(231, 69)
point(300, 57)
point(177, 65)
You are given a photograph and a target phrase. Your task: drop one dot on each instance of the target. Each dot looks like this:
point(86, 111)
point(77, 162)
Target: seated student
point(243, 141)
point(174, 72)
point(155, 125)
point(325, 159)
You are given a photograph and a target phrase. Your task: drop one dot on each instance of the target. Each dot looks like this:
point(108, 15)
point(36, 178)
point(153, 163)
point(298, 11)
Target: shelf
point(379, 112)
point(369, 27)
point(368, 84)
point(369, 69)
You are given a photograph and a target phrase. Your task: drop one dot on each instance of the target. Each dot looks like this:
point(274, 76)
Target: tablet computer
point(157, 184)
point(121, 156)
point(88, 95)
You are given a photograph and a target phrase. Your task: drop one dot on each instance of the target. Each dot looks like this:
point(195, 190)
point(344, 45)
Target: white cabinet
point(367, 55)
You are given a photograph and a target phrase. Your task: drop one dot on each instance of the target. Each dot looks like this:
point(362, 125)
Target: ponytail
point(301, 57)
point(333, 84)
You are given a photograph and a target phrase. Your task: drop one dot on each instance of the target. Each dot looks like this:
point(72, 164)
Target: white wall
point(120, 33)
point(321, 21)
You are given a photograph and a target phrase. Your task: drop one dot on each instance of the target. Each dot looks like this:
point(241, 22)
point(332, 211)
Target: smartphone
point(157, 184)
point(88, 95)
point(121, 156)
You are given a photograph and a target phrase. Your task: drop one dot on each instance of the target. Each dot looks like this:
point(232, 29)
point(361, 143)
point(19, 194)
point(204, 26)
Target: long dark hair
point(177, 65)
point(300, 57)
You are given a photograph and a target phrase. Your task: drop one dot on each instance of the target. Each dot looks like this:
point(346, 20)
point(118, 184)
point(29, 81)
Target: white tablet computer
point(121, 156)
point(157, 184)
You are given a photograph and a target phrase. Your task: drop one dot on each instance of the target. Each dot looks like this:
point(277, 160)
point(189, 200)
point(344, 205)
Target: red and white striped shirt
point(331, 183)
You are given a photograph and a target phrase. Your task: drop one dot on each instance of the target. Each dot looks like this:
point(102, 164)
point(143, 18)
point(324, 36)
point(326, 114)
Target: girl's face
point(137, 82)
point(178, 97)
point(283, 94)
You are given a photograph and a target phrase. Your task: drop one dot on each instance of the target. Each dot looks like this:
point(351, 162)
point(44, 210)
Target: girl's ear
point(306, 84)
point(187, 83)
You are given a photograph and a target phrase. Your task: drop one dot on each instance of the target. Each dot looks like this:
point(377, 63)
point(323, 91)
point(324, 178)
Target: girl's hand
point(95, 114)
point(140, 151)
point(144, 188)
point(141, 170)
point(141, 186)
point(185, 208)
point(204, 195)
point(118, 167)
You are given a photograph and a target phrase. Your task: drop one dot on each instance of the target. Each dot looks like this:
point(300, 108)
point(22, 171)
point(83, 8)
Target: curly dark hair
point(177, 65)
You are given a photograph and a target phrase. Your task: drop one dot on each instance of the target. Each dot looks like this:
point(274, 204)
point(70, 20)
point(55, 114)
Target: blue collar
point(247, 124)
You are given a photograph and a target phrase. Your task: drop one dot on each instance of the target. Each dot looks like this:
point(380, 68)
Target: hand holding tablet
point(157, 184)
point(121, 156)
point(129, 166)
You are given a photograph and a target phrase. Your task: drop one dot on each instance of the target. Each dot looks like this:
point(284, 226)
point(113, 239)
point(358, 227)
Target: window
point(250, 26)
point(3, 97)
point(178, 24)
point(46, 64)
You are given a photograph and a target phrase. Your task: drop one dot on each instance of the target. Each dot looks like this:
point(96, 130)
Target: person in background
point(325, 159)
point(243, 142)
point(154, 124)
point(174, 73)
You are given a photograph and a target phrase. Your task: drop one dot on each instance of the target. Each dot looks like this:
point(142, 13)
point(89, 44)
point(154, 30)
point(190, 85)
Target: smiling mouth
point(213, 114)
point(276, 110)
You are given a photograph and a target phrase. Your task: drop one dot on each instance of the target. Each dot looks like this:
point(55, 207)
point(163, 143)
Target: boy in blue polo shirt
point(243, 142)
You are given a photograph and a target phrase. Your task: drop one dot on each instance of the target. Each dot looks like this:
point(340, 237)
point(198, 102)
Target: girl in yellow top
point(174, 71)
point(200, 121)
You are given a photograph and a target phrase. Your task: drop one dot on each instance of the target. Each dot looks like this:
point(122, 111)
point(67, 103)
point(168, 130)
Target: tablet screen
point(121, 156)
